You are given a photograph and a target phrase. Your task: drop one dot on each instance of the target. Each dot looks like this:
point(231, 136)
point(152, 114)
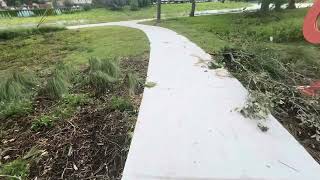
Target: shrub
point(121, 104)
point(87, 7)
point(113, 4)
point(103, 74)
point(19, 169)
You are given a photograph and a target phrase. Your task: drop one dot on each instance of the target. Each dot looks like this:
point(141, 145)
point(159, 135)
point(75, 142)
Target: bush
point(87, 7)
point(114, 4)
point(279, 32)
point(23, 32)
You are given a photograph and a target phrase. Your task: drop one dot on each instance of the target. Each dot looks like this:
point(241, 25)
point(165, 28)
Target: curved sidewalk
point(187, 128)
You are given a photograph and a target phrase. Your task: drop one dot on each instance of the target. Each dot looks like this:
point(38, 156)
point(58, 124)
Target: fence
point(38, 12)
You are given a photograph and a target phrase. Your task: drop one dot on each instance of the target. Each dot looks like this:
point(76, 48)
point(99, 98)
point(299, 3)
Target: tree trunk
point(158, 11)
point(292, 4)
point(193, 8)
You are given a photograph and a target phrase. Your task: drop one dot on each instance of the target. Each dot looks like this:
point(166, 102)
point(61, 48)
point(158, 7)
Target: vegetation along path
point(188, 126)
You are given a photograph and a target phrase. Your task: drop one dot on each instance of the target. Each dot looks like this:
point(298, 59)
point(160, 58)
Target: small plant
point(75, 99)
point(15, 108)
point(59, 83)
point(133, 83)
point(103, 74)
point(17, 169)
point(16, 85)
point(150, 84)
point(42, 122)
point(121, 104)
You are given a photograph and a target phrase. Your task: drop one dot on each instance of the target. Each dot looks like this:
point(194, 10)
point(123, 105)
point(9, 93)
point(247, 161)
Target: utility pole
point(158, 11)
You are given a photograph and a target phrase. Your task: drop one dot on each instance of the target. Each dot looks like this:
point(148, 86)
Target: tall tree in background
point(158, 11)
point(292, 4)
point(193, 8)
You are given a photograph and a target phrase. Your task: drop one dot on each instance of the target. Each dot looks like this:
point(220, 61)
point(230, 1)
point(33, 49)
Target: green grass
point(17, 169)
point(121, 104)
point(105, 15)
point(40, 52)
point(215, 32)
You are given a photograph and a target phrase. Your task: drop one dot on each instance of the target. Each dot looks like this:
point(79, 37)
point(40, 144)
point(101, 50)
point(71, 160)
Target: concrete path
point(187, 128)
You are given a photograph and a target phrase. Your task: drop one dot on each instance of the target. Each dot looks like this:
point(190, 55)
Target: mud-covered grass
point(70, 128)
point(268, 54)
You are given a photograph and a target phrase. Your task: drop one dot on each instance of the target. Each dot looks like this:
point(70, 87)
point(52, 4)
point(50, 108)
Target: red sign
point(310, 26)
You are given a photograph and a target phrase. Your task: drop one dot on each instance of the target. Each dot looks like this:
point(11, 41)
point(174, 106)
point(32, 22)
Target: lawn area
point(71, 46)
point(106, 15)
point(69, 100)
point(271, 71)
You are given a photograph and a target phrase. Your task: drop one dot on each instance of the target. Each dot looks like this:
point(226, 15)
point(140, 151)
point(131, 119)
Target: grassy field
point(71, 46)
point(271, 71)
point(105, 15)
point(66, 97)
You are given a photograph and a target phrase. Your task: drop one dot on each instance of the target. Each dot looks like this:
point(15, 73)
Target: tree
point(158, 11)
point(134, 5)
point(265, 5)
point(193, 8)
point(292, 4)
